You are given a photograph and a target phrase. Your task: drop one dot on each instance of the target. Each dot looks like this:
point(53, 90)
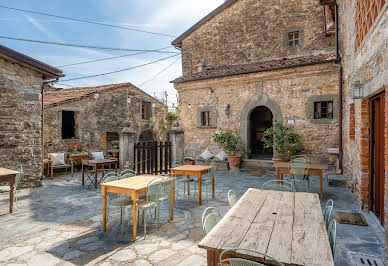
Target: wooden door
point(377, 156)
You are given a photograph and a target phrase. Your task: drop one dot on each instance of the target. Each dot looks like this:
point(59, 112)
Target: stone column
point(127, 146)
point(177, 143)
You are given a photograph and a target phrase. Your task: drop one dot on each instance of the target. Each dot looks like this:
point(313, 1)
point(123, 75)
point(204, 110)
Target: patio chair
point(210, 218)
point(207, 179)
point(116, 200)
point(182, 179)
point(327, 212)
point(276, 185)
point(332, 235)
point(127, 175)
point(232, 197)
point(6, 189)
point(57, 161)
point(168, 184)
point(300, 158)
point(298, 170)
point(127, 171)
point(245, 262)
point(153, 194)
point(108, 175)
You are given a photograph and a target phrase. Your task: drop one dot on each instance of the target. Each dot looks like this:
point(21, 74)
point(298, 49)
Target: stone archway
point(256, 101)
point(147, 135)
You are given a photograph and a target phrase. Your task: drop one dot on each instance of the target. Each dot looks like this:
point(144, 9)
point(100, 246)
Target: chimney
point(201, 65)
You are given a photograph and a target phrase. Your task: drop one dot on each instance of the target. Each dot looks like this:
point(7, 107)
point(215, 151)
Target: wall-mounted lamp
point(189, 106)
point(227, 109)
point(357, 90)
point(96, 95)
point(153, 104)
point(129, 100)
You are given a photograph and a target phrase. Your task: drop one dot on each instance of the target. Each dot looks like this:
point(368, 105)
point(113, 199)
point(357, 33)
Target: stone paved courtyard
point(60, 224)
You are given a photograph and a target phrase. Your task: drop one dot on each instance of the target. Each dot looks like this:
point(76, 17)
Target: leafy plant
point(284, 141)
point(70, 148)
point(80, 148)
point(228, 141)
point(188, 158)
point(173, 115)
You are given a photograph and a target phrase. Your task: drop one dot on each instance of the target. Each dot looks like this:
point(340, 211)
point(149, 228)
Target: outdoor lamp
point(357, 90)
point(129, 99)
point(227, 109)
point(96, 95)
point(153, 104)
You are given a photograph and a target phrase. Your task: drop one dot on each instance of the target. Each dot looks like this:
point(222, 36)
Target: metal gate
point(152, 157)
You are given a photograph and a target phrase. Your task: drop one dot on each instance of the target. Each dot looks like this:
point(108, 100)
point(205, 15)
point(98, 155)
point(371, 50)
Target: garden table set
point(98, 165)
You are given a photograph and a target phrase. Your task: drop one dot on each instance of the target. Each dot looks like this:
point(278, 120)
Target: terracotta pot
point(234, 161)
point(280, 160)
point(115, 154)
point(189, 162)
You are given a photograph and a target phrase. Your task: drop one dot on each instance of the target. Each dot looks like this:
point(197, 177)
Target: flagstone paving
point(60, 224)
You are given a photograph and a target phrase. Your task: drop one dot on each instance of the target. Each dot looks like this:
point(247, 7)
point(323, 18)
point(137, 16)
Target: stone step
point(336, 180)
point(255, 164)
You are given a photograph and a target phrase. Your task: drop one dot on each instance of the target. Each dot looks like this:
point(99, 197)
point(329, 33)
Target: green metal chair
point(168, 184)
point(300, 158)
point(127, 175)
point(298, 170)
point(232, 197)
point(207, 179)
point(210, 218)
point(327, 212)
point(127, 171)
point(276, 185)
point(246, 262)
point(332, 235)
point(181, 179)
point(6, 189)
point(152, 200)
point(109, 174)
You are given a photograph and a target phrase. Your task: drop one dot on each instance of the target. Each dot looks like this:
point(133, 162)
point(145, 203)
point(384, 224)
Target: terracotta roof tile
point(230, 70)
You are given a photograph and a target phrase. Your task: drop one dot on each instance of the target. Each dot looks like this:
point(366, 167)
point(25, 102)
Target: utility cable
point(156, 75)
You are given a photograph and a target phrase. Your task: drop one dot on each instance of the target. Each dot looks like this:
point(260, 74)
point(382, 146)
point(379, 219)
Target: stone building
point(363, 39)
point(243, 69)
point(94, 116)
point(21, 82)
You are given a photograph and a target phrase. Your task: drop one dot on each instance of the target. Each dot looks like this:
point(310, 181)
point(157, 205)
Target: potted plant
point(231, 144)
point(188, 160)
point(115, 151)
point(283, 140)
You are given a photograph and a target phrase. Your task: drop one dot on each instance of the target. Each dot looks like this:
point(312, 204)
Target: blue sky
point(167, 16)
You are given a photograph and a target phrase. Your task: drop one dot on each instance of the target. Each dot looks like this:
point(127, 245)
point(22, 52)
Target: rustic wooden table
point(7, 175)
point(194, 170)
point(133, 186)
point(76, 158)
point(96, 164)
point(314, 169)
point(288, 226)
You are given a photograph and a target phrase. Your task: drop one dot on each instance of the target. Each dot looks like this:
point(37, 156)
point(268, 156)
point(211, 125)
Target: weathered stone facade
point(243, 47)
point(369, 65)
point(97, 117)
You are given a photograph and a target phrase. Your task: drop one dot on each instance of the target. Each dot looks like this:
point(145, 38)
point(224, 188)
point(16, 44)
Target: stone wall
point(240, 33)
point(285, 92)
point(105, 114)
point(20, 120)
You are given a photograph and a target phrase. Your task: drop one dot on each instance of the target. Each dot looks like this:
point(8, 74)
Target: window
point(366, 14)
point(69, 125)
point(293, 39)
point(323, 110)
point(205, 119)
point(146, 110)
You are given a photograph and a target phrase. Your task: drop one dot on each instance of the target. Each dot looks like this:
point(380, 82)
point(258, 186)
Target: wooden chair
point(245, 262)
point(58, 166)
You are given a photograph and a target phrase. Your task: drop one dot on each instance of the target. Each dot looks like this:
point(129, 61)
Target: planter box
point(189, 162)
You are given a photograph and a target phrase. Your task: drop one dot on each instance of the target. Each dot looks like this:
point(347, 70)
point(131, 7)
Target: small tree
point(228, 141)
point(283, 140)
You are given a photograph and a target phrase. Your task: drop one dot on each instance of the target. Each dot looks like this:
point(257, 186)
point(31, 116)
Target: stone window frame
point(77, 114)
point(212, 116)
point(322, 98)
point(286, 33)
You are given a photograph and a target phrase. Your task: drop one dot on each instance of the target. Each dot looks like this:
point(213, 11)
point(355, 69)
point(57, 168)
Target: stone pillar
point(127, 146)
point(177, 143)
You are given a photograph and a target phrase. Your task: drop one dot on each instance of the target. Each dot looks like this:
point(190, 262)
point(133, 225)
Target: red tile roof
point(55, 97)
point(230, 70)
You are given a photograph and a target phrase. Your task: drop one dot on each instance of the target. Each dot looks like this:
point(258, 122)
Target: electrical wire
point(121, 70)
point(86, 21)
point(156, 75)
point(85, 46)
point(109, 58)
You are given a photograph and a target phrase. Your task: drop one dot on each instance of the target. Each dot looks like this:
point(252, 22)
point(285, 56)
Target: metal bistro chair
point(153, 194)
point(327, 212)
point(298, 170)
point(210, 218)
point(107, 175)
point(168, 185)
point(232, 197)
point(207, 179)
point(116, 200)
point(332, 235)
point(127, 171)
point(245, 262)
point(17, 181)
point(276, 185)
point(182, 179)
point(300, 158)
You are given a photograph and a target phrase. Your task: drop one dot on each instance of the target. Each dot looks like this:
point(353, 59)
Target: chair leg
point(308, 185)
point(122, 218)
point(145, 224)
point(158, 213)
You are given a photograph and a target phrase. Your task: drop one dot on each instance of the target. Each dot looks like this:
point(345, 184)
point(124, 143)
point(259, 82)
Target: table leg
point(11, 191)
point(103, 192)
point(277, 175)
point(200, 188)
point(188, 185)
point(72, 168)
point(134, 215)
point(213, 185)
point(172, 200)
point(211, 258)
point(116, 168)
point(83, 175)
point(102, 172)
point(321, 183)
point(95, 176)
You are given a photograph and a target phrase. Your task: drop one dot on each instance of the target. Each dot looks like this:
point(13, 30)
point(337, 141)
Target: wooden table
point(76, 158)
point(194, 170)
point(96, 164)
point(314, 169)
point(288, 226)
point(7, 175)
point(132, 186)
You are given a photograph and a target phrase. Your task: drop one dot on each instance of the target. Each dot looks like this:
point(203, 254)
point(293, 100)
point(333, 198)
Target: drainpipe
point(340, 86)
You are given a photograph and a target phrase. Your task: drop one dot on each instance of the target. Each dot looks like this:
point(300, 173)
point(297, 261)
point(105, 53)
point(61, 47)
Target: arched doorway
point(260, 119)
point(147, 135)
